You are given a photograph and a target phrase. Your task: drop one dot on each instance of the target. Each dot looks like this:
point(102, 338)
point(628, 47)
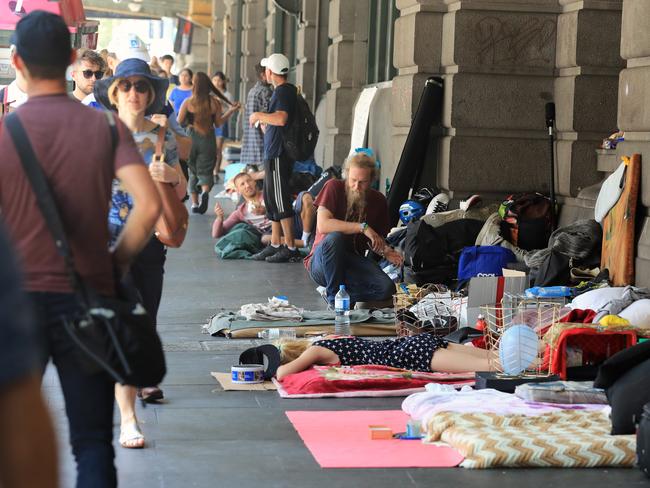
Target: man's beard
point(356, 205)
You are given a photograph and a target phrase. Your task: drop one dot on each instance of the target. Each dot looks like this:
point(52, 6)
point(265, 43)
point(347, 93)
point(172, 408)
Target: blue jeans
point(89, 399)
point(332, 264)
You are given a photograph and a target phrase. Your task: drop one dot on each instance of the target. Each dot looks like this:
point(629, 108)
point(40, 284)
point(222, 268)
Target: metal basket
point(433, 309)
point(530, 313)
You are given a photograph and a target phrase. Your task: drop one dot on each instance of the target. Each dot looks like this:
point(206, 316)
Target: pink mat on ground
point(341, 439)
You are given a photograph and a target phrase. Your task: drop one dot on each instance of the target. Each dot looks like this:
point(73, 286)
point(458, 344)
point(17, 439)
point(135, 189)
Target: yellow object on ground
point(609, 320)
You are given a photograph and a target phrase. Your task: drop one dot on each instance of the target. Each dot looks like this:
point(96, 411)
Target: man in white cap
point(277, 164)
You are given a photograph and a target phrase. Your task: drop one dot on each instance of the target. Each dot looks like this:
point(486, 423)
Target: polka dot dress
point(413, 353)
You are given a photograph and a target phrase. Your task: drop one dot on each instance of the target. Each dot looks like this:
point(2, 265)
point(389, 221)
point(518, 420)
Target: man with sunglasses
point(88, 68)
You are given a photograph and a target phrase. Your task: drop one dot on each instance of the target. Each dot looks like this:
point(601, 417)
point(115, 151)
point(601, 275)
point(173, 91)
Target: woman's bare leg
point(451, 361)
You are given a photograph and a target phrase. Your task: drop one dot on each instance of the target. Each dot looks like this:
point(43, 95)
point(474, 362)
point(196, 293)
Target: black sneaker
point(195, 209)
point(285, 255)
point(265, 253)
point(205, 199)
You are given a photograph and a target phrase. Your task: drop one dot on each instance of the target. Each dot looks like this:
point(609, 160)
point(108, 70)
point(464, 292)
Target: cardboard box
point(489, 290)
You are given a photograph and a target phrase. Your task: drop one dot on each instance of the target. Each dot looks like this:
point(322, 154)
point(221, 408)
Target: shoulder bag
point(171, 227)
point(113, 334)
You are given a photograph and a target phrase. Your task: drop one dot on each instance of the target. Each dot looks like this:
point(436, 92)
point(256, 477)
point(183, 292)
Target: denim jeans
point(332, 264)
point(89, 399)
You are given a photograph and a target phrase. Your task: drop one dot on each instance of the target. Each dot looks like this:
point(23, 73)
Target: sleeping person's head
point(291, 349)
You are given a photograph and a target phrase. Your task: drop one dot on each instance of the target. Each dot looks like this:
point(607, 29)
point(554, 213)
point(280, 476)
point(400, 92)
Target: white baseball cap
point(129, 46)
point(277, 63)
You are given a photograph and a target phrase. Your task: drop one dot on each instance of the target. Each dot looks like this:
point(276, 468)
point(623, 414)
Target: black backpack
point(301, 133)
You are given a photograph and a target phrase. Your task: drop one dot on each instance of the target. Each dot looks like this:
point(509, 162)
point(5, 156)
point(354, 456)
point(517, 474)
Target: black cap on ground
point(43, 39)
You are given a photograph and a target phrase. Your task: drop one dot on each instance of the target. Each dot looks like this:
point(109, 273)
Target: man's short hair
point(259, 69)
point(91, 57)
point(361, 160)
point(238, 176)
point(167, 57)
point(42, 41)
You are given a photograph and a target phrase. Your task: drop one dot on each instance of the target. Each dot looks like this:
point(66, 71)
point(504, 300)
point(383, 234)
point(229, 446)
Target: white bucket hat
point(277, 63)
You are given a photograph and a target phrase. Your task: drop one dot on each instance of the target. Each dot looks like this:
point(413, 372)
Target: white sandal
point(131, 436)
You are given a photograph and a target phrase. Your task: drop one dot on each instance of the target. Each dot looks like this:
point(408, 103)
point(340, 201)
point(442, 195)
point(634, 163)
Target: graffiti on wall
point(528, 41)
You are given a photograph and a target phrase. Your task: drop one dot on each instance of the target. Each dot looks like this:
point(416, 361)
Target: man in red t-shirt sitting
point(351, 219)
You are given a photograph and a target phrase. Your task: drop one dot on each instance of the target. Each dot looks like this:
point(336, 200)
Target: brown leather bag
point(171, 227)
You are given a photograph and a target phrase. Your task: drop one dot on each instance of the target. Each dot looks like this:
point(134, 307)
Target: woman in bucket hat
point(136, 93)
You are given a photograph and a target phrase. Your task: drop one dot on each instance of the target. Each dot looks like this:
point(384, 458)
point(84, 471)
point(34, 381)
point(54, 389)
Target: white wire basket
point(514, 335)
point(432, 309)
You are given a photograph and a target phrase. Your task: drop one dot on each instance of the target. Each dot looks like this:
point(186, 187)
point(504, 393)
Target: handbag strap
point(159, 155)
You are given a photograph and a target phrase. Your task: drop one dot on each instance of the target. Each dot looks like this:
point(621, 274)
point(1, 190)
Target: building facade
point(501, 61)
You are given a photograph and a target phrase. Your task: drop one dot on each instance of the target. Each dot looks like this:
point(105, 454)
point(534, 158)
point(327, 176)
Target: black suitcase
point(643, 441)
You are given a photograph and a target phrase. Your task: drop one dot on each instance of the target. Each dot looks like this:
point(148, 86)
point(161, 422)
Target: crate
point(531, 314)
point(432, 309)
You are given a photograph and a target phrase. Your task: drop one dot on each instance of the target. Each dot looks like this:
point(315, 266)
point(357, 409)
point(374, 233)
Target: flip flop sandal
point(131, 436)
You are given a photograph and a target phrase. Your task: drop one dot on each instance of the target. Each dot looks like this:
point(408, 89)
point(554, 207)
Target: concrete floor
point(204, 437)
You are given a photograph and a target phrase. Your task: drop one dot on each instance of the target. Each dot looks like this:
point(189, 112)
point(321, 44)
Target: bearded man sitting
point(352, 218)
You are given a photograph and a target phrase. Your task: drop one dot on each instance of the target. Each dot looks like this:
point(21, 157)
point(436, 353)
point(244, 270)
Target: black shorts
point(277, 193)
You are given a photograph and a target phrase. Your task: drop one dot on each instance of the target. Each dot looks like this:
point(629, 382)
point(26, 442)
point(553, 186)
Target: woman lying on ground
point(422, 352)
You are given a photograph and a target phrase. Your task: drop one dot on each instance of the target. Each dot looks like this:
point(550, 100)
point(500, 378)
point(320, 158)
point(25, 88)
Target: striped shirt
point(253, 142)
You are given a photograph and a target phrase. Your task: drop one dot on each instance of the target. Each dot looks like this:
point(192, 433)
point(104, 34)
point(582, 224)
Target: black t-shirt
point(283, 99)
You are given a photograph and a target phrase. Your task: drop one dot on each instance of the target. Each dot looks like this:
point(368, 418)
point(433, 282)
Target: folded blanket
point(423, 406)
point(567, 438)
point(369, 380)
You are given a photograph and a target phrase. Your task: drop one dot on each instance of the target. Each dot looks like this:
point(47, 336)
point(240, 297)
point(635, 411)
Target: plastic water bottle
point(342, 308)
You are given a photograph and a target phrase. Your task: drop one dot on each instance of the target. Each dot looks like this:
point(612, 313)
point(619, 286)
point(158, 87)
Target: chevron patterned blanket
point(568, 439)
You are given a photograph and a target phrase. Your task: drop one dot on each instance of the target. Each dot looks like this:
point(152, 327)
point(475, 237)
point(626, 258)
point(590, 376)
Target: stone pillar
point(346, 72)
point(216, 45)
point(253, 43)
point(231, 53)
point(499, 60)
point(588, 64)
point(634, 114)
point(312, 50)
point(417, 56)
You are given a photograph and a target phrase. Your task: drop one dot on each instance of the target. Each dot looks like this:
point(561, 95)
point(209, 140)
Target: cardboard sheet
point(226, 383)
point(342, 440)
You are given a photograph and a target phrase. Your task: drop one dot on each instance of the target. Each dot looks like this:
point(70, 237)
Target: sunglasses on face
point(140, 86)
point(88, 74)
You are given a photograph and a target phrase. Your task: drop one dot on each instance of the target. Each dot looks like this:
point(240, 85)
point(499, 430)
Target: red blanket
point(367, 380)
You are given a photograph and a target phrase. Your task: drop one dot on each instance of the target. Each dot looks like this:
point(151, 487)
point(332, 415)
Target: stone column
point(312, 50)
point(253, 42)
point(217, 37)
point(634, 114)
point(499, 60)
point(588, 64)
point(417, 56)
point(231, 54)
point(346, 72)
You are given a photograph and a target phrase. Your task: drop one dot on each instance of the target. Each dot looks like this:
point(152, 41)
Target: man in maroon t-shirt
point(80, 177)
point(351, 219)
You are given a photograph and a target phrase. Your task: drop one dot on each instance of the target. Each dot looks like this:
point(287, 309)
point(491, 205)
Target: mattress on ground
point(363, 323)
point(363, 381)
point(363, 329)
point(567, 439)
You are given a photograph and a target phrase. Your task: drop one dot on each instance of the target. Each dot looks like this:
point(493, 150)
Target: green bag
point(241, 242)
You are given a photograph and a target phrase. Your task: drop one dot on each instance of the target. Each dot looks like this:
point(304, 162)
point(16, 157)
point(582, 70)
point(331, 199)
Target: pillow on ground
point(595, 299)
point(638, 313)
